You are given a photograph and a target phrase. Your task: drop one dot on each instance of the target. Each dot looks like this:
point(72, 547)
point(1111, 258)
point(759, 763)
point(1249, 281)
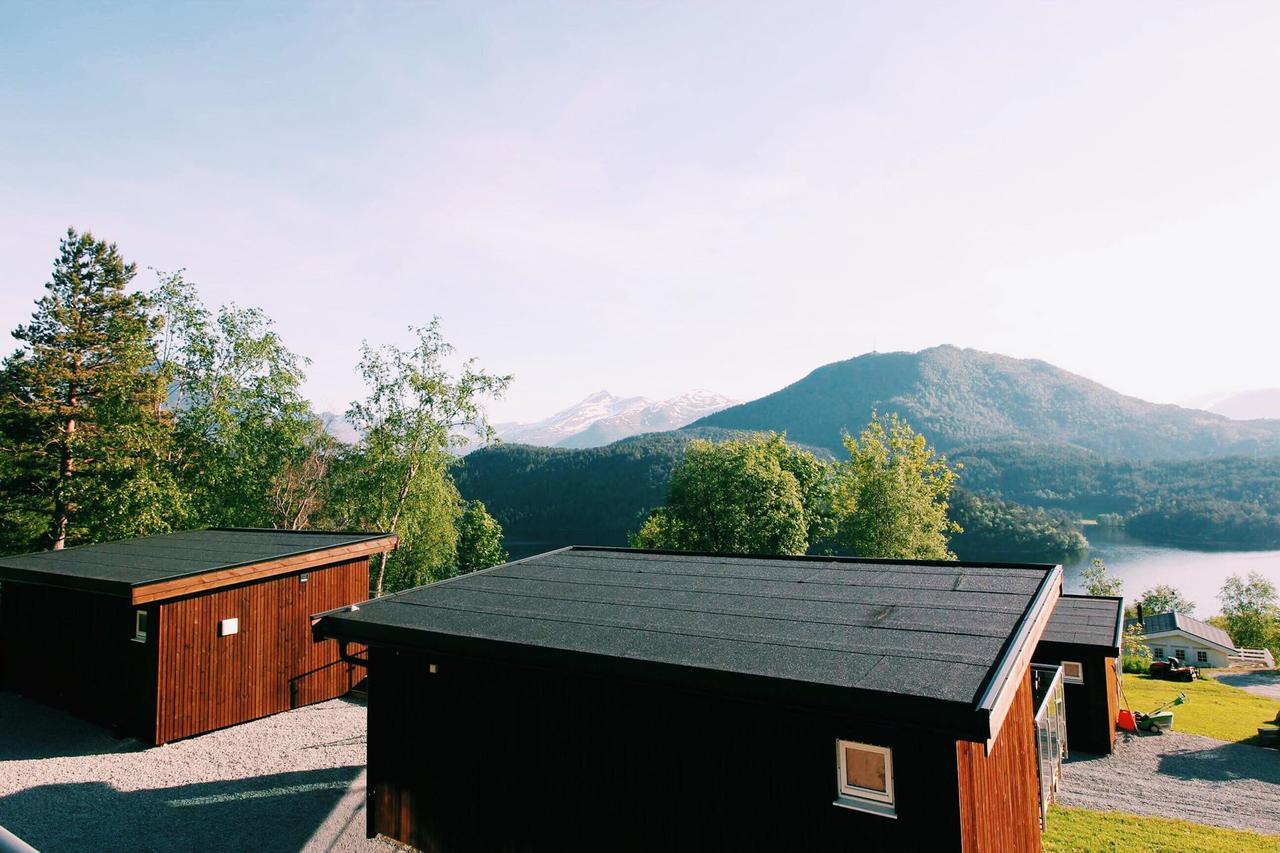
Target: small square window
point(140, 620)
point(865, 777)
point(1202, 657)
point(1072, 672)
point(1180, 654)
point(1157, 652)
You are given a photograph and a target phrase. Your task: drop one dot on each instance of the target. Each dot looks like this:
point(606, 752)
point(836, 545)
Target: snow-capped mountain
point(603, 418)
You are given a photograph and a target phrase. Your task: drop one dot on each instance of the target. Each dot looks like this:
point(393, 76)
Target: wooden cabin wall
point(1091, 706)
point(75, 650)
point(271, 664)
point(482, 756)
point(999, 792)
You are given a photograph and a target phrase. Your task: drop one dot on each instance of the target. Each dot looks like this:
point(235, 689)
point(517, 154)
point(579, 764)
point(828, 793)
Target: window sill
point(882, 809)
point(142, 640)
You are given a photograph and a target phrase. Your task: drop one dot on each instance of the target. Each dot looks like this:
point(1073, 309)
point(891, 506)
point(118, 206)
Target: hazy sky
point(654, 197)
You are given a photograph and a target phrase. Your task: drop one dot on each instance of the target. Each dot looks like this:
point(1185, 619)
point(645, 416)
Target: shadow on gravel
point(1224, 763)
point(263, 813)
point(30, 730)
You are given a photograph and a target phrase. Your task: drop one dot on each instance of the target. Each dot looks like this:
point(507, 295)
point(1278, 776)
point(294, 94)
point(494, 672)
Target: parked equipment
point(1161, 718)
point(1174, 669)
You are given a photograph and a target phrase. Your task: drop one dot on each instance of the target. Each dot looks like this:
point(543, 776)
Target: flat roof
point(1087, 620)
point(931, 632)
point(125, 566)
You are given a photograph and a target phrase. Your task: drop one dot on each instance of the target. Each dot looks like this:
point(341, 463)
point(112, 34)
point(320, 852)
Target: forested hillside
point(961, 397)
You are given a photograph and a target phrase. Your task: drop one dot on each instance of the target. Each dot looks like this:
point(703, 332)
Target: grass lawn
point(1083, 829)
point(1213, 710)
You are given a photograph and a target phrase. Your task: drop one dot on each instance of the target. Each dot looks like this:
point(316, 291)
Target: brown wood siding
point(482, 755)
point(999, 794)
point(271, 664)
point(75, 650)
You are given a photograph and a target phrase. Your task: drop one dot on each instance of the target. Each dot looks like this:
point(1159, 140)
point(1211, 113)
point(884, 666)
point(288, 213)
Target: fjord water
point(1142, 565)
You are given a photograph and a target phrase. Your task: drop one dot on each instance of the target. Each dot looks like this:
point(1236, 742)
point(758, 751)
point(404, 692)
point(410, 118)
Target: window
point(140, 626)
point(1202, 657)
point(1180, 654)
point(864, 777)
point(1072, 672)
point(1157, 652)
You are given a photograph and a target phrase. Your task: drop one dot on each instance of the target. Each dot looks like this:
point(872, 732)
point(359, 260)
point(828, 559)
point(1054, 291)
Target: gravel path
point(1262, 682)
point(290, 782)
point(1180, 775)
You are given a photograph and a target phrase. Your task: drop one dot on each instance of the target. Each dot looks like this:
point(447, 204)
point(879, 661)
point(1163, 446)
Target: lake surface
point(1141, 565)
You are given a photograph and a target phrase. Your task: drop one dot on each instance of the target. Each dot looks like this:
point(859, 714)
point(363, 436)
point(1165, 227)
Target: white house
point(1177, 635)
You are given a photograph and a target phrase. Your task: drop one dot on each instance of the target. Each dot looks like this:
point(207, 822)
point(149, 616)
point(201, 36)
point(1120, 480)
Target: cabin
point(614, 699)
point(1177, 635)
point(1083, 638)
point(169, 636)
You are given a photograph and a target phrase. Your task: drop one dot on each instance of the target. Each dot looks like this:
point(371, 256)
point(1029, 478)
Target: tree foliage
point(753, 495)
point(1096, 580)
point(892, 494)
point(995, 529)
point(1163, 598)
point(479, 539)
point(82, 426)
point(1251, 611)
point(416, 412)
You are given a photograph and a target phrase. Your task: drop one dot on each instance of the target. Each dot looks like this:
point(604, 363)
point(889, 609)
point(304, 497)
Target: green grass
point(1213, 710)
point(1083, 829)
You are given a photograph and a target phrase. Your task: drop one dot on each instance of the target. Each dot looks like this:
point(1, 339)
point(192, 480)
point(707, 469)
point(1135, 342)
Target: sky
point(648, 198)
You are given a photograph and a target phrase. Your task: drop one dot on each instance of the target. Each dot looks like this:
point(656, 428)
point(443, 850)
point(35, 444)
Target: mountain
point(603, 418)
point(1241, 405)
point(339, 427)
point(961, 397)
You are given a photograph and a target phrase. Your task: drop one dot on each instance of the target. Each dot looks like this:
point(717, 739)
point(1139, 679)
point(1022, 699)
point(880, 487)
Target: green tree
point(1163, 598)
point(891, 494)
point(415, 415)
point(1135, 652)
point(82, 425)
point(479, 539)
point(1251, 610)
point(755, 495)
point(248, 449)
point(1097, 581)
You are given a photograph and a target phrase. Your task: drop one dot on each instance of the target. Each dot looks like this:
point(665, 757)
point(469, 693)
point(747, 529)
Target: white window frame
point(1157, 652)
point(140, 633)
point(1070, 679)
point(865, 799)
point(1202, 656)
point(1180, 654)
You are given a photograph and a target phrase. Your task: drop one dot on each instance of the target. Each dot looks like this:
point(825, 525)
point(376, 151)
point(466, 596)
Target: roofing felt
point(1086, 620)
point(1159, 623)
point(118, 567)
point(937, 631)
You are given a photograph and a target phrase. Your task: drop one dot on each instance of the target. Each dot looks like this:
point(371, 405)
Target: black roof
point(932, 632)
point(118, 567)
point(1159, 623)
point(1087, 620)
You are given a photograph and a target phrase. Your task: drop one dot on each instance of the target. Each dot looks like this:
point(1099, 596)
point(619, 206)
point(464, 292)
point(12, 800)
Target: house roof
point(1087, 620)
point(932, 633)
point(1161, 623)
point(152, 567)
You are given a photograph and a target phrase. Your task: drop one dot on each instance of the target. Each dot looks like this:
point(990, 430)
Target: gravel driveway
point(290, 782)
point(1180, 775)
point(1262, 682)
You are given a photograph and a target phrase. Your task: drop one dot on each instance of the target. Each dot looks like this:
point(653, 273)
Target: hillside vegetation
point(960, 397)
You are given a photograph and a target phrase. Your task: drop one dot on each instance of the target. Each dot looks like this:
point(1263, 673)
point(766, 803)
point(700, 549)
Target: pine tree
point(82, 427)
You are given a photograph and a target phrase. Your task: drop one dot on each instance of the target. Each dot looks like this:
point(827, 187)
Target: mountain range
point(603, 418)
point(1028, 433)
point(1241, 405)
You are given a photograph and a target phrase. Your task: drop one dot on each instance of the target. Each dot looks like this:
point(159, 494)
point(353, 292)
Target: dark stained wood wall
point(482, 756)
point(1091, 706)
point(272, 664)
point(999, 792)
point(75, 650)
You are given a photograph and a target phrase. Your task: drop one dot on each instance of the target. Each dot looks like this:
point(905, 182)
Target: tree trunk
point(395, 520)
point(58, 532)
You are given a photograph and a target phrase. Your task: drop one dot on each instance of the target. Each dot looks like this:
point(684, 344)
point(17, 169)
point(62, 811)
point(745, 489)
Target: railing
point(1262, 656)
point(1051, 730)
